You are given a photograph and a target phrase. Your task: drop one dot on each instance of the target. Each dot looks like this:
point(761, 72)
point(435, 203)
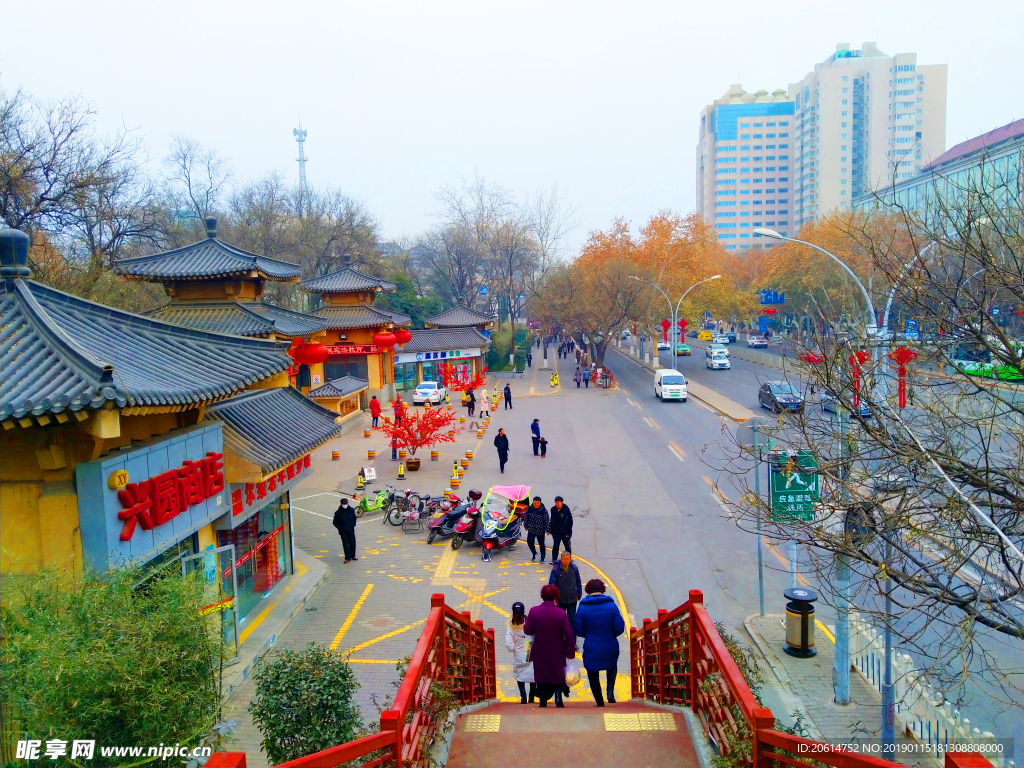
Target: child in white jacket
point(515, 643)
point(485, 404)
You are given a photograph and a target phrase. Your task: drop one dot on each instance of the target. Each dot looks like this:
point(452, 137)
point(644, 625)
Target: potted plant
point(423, 429)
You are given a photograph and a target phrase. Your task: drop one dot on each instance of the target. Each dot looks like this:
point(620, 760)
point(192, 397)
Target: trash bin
point(800, 622)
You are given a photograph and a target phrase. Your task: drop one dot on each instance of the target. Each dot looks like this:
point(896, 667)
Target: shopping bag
point(572, 672)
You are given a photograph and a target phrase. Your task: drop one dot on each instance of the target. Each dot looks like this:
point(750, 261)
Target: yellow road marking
point(824, 629)
point(625, 393)
point(482, 599)
point(444, 566)
point(651, 423)
point(368, 643)
point(255, 623)
point(351, 617)
point(681, 452)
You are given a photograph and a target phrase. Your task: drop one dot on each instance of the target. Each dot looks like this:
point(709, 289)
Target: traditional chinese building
point(354, 328)
point(129, 441)
point(419, 359)
point(461, 317)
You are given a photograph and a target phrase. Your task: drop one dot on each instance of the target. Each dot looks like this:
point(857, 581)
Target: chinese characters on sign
point(55, 748)
point(245, 498)
point(795, 488)
point(158, 500)
point(353, 349)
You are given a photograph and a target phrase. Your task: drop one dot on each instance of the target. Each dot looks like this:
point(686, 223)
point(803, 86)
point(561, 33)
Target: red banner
point(355, 349)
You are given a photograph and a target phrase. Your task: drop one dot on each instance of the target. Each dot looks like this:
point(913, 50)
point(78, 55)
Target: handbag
point(572, 672)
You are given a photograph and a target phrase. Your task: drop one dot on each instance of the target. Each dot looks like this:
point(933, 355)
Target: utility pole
point(757, 490)
point(300, 138)
point(841, 668)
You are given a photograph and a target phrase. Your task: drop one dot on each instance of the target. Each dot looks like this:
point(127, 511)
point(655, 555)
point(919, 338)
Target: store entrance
point(262, 554)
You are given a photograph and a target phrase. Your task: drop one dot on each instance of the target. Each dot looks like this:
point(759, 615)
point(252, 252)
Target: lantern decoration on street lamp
point(385, 339)
point(769, 310)
point(902, 356)
point(857, 359)
point(305, 353)
point(665, 325)
point(682, 327)
point(402, 336)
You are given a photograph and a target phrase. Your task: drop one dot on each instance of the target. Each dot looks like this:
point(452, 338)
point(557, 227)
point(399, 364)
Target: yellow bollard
point(401, 453)
point(335, 455)
point(465, 464)
point(366, 432)
point(401, 470)
point(469, 455)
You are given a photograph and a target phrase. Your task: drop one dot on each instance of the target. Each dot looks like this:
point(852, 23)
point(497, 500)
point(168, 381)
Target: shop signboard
point(448, 354)
point(354, 349)
point(137, 502)
point(795, 487)
point(246, 499)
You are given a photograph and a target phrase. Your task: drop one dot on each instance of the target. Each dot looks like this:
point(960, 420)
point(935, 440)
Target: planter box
point(412, 464)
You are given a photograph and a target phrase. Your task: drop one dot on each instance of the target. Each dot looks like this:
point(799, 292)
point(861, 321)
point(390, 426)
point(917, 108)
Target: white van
point(716, 357)
point(669, 385)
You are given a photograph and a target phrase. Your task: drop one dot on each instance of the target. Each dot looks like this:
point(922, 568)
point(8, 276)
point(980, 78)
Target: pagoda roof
point(60, 353)
point(239, 318)
point(273, 427)
point(358, 316)
point(438, 339)
point(208, 259)
point(347, 280)
point(457, 317)
point(342, 387)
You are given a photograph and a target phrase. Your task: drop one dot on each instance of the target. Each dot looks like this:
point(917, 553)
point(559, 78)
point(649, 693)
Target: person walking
point(515, 643)
point(537, 524)
point(553, 643)
point(578, 376)
point(543, 447)
point(399, 409)
point(471, 404)
point(508, 397)
point(561, 527)
point(374, 411)
point(599, 622)
point(535, 433)
point(501, 443)
point(345, 522)
point(586, 378)
point(485, 403)
point(566, 576)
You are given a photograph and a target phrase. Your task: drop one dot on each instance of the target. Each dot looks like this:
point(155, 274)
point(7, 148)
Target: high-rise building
point(743, 164)
point(864, 120)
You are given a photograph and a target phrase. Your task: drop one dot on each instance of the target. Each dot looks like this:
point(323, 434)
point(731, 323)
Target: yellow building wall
point(207, 538)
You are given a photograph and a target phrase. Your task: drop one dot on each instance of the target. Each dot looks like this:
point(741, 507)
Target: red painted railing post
point(226, 760)
point(634, 663)
point(389, 721)
point(491, 685)
point(696, 597)
point(648, 631)
point(964, 760)
point(467, 669)
point(481, 665)
point(437, 601)
point(764, 720)
point(663, 656)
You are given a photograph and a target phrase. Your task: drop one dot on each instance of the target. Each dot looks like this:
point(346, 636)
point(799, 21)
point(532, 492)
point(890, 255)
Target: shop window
point(261, 554)
point(346, 365)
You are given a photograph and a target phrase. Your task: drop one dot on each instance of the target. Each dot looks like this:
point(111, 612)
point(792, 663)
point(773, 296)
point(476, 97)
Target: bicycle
point(404, 502)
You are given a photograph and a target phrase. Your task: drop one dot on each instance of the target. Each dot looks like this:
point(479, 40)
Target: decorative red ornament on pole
point(769, 310)
point(402, 336)
point(635, 322)
point(385, 339)
point(857, 359)
point(665, 325)
point(902, 356)
point(682, 326)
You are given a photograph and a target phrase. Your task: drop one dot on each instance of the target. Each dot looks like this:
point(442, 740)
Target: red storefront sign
point(162, 498)
point(243, 499)
point(354, 349)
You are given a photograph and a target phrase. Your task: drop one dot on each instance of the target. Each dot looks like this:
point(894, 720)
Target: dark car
point(693, 334)
point(732, 337)
point(780, 396)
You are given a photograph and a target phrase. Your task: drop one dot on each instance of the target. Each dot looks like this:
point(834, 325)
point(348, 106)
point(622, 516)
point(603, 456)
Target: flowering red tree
point(458, 381)
point(423, 429)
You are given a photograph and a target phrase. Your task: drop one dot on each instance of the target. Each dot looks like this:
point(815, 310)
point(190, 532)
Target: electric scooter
point(500, 531)
point(465, 528)
point(444, 519)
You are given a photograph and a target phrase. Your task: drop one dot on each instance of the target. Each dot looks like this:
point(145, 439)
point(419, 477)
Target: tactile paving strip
point(627, 722)
point(657, 721)
point(483, 723)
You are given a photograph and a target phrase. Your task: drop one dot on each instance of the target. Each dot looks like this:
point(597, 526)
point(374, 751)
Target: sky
point(601, 99)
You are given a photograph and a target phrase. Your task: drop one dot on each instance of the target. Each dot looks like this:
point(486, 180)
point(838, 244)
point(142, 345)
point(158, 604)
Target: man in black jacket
point(501, 443)
point(537, 524)
point(561, 527)
point(345, 522)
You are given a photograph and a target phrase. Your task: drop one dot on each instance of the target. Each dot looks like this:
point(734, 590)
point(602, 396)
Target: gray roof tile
point(457, 317)
point(358, 316)
point(208, 259)
point(59, 352)
point(344, 281)
point(273, 427)
point(240, 318)
point(441, 339)
point(346, 385)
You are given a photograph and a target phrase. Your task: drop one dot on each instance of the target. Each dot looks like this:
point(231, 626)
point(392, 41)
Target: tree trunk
point(599, 350)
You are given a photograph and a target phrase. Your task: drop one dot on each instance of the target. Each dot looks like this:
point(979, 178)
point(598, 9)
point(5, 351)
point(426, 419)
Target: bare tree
point(197, 179)
point(334, 230)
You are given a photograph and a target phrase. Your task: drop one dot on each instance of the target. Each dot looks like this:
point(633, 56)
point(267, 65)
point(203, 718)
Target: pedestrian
point(553, 643)
point(501, 443)
point(566, 576)
point(374, 411)
point(599, 622)
point(535, 433)
point(399, 409)
point(345, 522)
point(561, 527)
point(485, 403)
point(508, 397)
point(578, 376)
point(515, 643)
point(537, 525)
point(471, 403)
point(586, 378)
point(529, 359)
point(543, 447)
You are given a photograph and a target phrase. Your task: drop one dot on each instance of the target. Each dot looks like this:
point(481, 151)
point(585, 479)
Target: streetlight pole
point(674, 311)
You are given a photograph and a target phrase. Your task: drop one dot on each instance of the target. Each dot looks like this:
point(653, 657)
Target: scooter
point(465, 528)
point(443, 521)
point(501, 531)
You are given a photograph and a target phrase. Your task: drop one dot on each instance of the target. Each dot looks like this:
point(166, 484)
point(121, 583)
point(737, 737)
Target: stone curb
point(780, 674)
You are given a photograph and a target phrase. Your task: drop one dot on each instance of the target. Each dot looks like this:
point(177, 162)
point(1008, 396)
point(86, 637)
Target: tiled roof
point(442, 339)
point(457, 317)
point(346, 385)
point(344, 281)
point(239, 318)
point(358, 316)
point(1014, 130)
point(273, 427)
point(59, 352)
point(208, 259)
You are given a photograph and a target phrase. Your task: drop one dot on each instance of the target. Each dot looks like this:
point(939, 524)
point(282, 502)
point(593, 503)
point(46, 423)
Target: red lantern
point(306, 353)
point(769, 310)
point(856, 361)
point(402, 336)
point(665, 325)
point(902, 356)
point(385, 339)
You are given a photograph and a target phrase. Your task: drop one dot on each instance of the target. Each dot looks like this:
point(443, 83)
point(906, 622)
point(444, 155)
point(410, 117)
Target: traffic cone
point(360, 482)
point(401, 470)
point(455, 468)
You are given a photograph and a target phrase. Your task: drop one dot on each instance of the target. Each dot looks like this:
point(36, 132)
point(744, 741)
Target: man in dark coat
point(535, 432)
point(345, 522)
point(501, 443)
point(537, 525)
point(508, 397)
point(561, 527)
point(553, 643)
point(566, 576)
point(471, 402)
point(599, 622)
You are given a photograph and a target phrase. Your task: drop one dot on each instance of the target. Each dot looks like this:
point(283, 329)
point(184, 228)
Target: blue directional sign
point(762, 324)
point(767, 297)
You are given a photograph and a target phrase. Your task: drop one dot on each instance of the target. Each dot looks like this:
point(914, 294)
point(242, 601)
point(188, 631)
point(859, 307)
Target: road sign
point(795, 488)
point(771, 297)
point(745, 433)
point(370, 474)
point(762, 324)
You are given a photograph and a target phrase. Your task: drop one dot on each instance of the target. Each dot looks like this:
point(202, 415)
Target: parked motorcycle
point(466, 527)
point(442, 522)
point(501, 529)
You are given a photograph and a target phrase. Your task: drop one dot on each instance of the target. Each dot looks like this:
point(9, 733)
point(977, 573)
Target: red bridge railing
point(452, 650)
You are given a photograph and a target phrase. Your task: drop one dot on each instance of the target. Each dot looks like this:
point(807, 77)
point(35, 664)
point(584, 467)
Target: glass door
point(220, 590)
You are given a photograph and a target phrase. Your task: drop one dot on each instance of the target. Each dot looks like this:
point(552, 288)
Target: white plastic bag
point(572, 672)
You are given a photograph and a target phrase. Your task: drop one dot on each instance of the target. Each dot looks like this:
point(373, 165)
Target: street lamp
point(674, 312)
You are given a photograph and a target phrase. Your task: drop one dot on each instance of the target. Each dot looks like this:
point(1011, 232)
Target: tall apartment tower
point(743, 165)
point(864, 120)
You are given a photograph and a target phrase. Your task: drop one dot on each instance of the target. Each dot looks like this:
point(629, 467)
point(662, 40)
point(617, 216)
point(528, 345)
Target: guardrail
point(451, 650)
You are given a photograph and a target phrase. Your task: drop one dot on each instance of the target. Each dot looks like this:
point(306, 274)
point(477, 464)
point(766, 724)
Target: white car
point(429, 391)
point(757, 341)
point(717, 358)
point(663, 346)
point(720, 339)
point(669, 385)
point(720, 348)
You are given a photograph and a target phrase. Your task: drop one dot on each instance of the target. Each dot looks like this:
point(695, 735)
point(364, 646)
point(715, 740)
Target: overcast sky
point(400, 98)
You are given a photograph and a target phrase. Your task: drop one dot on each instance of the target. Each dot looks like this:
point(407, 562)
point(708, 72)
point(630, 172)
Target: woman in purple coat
point(553, 643)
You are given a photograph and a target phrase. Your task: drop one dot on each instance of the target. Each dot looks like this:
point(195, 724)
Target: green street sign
point(795, 488)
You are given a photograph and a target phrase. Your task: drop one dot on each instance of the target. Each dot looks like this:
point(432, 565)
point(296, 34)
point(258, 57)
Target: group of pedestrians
point(539, 521)
point(542, 641)
point(582, 376)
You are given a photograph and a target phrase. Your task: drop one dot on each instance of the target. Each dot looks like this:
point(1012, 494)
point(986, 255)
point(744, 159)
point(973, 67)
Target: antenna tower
point(300, 137)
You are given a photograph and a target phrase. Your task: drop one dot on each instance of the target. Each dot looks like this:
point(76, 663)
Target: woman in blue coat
point(599, 622)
